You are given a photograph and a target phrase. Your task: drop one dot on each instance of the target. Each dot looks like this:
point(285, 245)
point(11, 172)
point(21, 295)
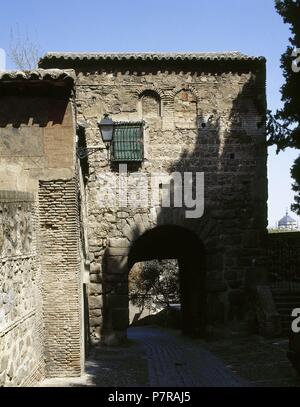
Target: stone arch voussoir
point(143, 89)
point(186, 87)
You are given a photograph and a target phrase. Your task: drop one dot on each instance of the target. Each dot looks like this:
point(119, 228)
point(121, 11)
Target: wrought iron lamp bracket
point(83, 152)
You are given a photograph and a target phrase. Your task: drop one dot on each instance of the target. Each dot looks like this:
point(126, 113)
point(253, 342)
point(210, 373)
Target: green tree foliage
point(154, 283)
point(284, 127)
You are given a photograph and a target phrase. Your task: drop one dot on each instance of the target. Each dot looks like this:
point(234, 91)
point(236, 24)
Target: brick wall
point(62, 293)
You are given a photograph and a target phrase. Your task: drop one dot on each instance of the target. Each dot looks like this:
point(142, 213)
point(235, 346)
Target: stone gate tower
point(66, 255)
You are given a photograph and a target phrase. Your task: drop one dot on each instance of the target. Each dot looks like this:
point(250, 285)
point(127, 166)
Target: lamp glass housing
point(106, 126)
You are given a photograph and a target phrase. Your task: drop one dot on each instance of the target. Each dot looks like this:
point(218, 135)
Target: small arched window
point(150, 104)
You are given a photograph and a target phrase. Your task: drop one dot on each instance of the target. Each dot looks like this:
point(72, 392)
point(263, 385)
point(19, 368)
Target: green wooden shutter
point(127, 142)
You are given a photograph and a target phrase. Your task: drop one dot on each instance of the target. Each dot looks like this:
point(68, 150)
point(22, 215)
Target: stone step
point(285, 295)
point(290, 305)
point(287, 299)
point(286, 307)
point(285, 313)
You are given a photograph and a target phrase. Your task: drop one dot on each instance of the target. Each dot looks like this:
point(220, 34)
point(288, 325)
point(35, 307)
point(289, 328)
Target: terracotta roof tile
point(38, 75)
point(148, 56)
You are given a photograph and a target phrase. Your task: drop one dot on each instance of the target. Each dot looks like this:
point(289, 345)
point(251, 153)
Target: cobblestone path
point(174, 360)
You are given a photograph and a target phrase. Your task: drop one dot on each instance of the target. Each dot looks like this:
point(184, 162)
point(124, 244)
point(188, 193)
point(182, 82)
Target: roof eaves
point(67, 75)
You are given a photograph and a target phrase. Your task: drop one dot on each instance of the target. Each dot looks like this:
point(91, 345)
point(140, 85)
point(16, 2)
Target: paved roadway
point(175, 360)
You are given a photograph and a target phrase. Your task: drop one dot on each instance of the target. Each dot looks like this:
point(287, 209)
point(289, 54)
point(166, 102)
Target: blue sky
point(252, 27)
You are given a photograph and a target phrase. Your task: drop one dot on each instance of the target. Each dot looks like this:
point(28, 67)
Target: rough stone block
point(95, 289)
point(95, 278)
point(118, 243)
point(122, 251)
point(95, 302)
point(95, 268)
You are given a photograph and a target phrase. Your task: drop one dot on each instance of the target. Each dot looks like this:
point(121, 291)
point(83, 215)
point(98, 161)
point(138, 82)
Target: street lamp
point(106, 126)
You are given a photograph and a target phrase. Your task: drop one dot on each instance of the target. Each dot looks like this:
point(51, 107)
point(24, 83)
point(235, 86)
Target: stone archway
point(161, 242)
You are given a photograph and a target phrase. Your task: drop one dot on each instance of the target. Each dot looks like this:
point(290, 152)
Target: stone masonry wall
point(21, 325)
point(62, 302)
point(196, 120)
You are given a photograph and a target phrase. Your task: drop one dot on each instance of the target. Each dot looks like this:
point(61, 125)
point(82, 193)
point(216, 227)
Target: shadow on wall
point(43, 105)
point(220, 254)
point(232, 154)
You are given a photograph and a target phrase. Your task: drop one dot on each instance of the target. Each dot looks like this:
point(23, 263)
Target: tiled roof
point(147, 56)
point(38, 75)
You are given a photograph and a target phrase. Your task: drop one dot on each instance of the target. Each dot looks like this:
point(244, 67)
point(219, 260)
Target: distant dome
point(287, 222)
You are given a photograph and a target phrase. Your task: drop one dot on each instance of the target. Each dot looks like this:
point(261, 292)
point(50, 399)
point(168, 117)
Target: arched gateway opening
point(162, 242)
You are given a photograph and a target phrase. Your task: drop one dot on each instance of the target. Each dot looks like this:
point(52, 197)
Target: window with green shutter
point(127, 144)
